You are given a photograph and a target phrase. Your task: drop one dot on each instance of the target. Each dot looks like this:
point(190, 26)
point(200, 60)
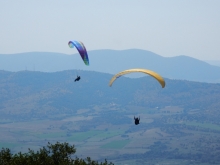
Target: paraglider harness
point(136, 120)
point(78, 78)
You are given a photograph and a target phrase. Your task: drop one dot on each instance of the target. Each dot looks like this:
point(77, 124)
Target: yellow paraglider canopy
point(149, 72)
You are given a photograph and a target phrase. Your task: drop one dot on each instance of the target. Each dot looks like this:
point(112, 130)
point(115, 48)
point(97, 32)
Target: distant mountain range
point(113, 61)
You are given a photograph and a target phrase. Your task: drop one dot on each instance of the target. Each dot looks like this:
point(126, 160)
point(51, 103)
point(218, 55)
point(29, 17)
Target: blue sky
point(168, 28)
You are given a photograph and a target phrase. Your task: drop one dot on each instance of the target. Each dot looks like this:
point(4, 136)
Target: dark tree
point(52, 154)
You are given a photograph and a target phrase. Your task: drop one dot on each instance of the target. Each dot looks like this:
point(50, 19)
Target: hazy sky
point(166, 27)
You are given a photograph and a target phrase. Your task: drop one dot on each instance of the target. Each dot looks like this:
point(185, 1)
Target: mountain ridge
point(30, 93)
point(114, 61)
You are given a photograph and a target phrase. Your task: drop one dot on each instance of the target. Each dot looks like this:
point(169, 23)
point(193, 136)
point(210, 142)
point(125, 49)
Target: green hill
point(179, 123)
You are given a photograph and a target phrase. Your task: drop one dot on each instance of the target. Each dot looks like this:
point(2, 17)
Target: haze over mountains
point(113, 61)
point(213, 62)
point(179, 123)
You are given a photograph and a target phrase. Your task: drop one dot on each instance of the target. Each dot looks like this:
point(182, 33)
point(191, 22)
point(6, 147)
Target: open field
point(204, 125)
point(100, 138)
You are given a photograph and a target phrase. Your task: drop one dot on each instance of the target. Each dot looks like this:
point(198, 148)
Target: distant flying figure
point(136, 120)
point(77, 79)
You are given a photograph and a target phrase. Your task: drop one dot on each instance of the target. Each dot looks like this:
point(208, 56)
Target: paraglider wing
point(81, 49)
point(149, 72)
